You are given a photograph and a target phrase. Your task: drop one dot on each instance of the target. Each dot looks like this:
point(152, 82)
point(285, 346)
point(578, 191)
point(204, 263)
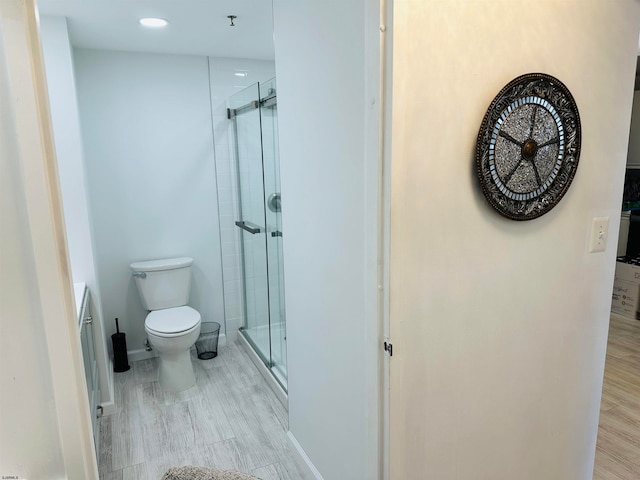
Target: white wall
point(329, 195)
point(67, 136)
point(500, 327)
point(151, 176)
point(66, 129)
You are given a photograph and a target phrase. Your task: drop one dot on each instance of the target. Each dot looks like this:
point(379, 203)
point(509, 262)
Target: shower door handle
point(249, 227)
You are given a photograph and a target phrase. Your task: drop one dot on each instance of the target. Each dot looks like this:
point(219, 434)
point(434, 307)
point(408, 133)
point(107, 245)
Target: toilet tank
point(163, 283)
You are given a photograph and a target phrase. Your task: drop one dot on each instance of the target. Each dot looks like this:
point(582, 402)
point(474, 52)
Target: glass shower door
point(270, 155)
point(252, 217)
point(254, 111)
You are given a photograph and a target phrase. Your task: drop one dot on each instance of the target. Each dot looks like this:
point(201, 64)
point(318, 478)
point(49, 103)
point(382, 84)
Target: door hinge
point(388, 347)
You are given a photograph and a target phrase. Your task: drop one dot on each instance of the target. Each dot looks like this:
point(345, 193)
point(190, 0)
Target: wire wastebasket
point(207, 343)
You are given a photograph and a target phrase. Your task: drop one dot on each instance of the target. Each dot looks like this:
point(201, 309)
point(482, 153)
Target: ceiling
point(196, 27)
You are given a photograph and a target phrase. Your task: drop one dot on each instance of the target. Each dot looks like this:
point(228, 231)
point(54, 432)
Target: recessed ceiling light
point(153, 22)
point(240, 74)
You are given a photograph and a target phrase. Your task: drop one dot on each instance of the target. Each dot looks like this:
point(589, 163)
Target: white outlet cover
point(599, 234)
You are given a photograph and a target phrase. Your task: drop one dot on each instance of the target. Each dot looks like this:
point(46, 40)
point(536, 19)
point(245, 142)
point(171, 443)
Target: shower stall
point(254, 115)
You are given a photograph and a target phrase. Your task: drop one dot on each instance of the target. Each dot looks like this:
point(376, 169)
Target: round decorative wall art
point(528, 146)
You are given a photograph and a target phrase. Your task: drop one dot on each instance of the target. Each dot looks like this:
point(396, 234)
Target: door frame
point(19, 23)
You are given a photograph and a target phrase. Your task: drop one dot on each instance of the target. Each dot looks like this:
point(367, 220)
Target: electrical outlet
point(599, 233)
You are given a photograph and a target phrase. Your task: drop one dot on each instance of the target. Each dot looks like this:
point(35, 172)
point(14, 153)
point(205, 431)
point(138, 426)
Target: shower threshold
point(272, 376)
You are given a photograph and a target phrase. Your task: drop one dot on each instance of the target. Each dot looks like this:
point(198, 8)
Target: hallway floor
point(230, 419)
point(618, 447)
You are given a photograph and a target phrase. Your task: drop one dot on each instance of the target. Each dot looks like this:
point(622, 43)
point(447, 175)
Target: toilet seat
point(172, 322)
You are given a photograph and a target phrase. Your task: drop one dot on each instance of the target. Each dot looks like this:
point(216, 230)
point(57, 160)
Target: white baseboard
point(232, 335)
point(109, 404)
point(143, 354)
point(303, 455)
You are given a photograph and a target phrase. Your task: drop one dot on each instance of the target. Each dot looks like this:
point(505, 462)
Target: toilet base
point(175, 373)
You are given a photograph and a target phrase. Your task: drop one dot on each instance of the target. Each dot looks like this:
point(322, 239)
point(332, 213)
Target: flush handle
point(140, 274)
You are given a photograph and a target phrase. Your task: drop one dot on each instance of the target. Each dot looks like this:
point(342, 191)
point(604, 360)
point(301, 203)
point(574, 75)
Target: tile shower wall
point(229, 76)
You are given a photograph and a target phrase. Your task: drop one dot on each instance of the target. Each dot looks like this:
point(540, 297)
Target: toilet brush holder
point(120, 358)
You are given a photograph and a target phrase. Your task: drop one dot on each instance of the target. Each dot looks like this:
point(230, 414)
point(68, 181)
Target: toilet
point(172, 327)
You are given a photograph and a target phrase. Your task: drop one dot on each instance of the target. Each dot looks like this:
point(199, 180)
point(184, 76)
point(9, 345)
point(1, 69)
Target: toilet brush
point(120, 358)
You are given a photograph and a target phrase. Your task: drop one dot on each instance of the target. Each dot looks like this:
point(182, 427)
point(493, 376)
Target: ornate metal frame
point(528, 146)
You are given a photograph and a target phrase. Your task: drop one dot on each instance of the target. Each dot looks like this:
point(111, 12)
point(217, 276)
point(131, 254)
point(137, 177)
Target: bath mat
point(202, 473)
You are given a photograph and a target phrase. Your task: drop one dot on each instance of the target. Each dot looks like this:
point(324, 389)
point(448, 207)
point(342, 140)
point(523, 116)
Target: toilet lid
point(172, 320)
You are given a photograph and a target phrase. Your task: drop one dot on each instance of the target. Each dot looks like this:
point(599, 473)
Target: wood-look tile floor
point(618, 447)
point(230, 419)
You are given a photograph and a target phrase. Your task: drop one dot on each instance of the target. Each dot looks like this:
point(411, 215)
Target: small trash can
point(207, 343)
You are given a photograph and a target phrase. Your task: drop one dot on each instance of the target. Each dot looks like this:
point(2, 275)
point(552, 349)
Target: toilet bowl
point(172, 332)
point(172, 327)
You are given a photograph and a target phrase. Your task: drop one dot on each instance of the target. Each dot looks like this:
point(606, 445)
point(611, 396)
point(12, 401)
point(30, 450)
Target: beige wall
point(500, 327)
point(45, 424)
point(29, 444)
